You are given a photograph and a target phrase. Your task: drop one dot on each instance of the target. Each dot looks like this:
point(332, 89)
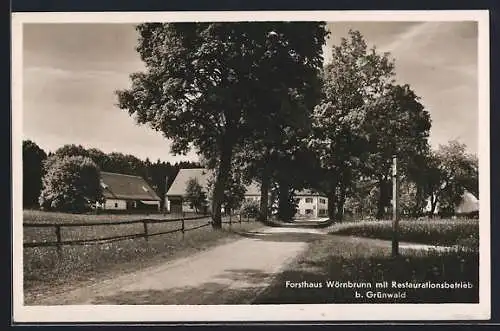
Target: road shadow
point(233, 286)
point(299, 224)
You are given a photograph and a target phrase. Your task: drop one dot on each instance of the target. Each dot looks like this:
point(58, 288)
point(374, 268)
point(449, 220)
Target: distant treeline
point(159, 174)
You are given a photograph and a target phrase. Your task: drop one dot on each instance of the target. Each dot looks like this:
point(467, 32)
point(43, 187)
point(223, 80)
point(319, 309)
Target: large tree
point(33, 158)
point(71, 184)
point(458, 172)
point(289, 87)
point(355, 77)
point(199, 84)
point(396, 124)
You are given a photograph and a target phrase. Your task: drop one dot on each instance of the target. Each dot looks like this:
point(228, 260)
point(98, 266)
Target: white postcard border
point(292, 312)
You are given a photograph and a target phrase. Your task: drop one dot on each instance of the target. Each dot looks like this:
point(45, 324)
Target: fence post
point(230, 220)
point(58, 238)
point(182, 227)
point(145, 230)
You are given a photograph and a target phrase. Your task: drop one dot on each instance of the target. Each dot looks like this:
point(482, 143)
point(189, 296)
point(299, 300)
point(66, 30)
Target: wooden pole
point(58, 237)
point(395, 207)
point(145, 224)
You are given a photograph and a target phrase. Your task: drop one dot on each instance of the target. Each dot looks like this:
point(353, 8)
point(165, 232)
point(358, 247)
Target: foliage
point(159, 175)
point(355, 77)
point(33, 158)
point(432, 231)
point(234, 192)
point(250, 209)
point(289, 87)
point(362, 121)
point(459, 172)
point(195, 195)
point(201, 81)
point(70, 183)
point(396, 124)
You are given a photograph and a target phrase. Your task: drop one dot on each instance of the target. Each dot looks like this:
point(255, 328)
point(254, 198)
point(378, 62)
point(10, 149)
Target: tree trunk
point(433, 205)
point(332, 198)
point(264, 194)
point(220, 183)
point(382, 198)
point(340, 204)
point(284, 208)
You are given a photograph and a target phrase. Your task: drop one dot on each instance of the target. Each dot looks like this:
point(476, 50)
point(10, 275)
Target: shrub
point(250, 209)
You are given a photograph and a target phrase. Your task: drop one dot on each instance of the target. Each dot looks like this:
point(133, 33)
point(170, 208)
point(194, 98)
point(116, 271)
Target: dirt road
point(233, 273)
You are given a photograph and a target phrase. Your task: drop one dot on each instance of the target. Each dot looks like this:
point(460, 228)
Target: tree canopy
point(205, 83)
point(70, 184)
point(33, 158)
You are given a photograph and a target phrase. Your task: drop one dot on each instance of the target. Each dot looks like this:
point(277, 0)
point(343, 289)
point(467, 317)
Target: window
point(309, 211)
point(322, 201)
point(116, 204)
point(309, 200)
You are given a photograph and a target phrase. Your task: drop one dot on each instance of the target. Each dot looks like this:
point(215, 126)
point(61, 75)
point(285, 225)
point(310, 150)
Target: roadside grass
point(47, 270)
point(441, 232)
point(367, 261)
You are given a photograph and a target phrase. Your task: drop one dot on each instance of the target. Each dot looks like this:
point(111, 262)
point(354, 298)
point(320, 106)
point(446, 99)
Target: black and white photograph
point(245, 166)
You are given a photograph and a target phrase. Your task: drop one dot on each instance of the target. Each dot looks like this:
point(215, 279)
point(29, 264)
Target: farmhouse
point(311, 204)
point(127, 192)
point(175, 197)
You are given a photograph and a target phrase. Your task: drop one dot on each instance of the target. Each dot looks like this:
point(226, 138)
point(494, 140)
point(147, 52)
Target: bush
point(250, 209)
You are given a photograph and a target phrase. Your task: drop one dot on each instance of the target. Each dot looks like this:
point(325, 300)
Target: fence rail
point(145, 234)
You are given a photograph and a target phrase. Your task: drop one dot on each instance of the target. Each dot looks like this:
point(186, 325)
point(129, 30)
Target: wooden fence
point(145, 234)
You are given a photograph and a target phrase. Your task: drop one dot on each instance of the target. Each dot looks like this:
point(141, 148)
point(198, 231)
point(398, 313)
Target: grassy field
point(362, 262)
point(37, 216)
point(45, 269)
point(442, 232)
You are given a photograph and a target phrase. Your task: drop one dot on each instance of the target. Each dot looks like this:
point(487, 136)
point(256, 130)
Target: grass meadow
point(438, 232)
point(46, 268)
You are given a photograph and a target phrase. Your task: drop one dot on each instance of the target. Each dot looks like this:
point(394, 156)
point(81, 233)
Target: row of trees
point(256, 102)
point(48, 177)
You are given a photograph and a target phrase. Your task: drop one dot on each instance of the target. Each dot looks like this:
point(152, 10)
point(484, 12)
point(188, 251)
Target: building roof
point(468, 204)
point(179, 185)
point(180, 182)
point(126, 187)
point(307, 192)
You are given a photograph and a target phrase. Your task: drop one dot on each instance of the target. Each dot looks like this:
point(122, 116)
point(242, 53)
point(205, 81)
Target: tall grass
point(433, 232)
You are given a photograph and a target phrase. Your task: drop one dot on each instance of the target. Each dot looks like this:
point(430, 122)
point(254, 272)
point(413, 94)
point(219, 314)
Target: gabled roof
point(179, 185)
point(468, 204)
point(180, 182)
point(126, 187)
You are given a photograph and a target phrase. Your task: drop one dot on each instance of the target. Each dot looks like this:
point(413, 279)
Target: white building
point(311, 204)
point(127, 192)
point(175, 197)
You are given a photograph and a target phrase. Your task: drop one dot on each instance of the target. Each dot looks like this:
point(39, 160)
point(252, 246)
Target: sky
point(70, 73)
